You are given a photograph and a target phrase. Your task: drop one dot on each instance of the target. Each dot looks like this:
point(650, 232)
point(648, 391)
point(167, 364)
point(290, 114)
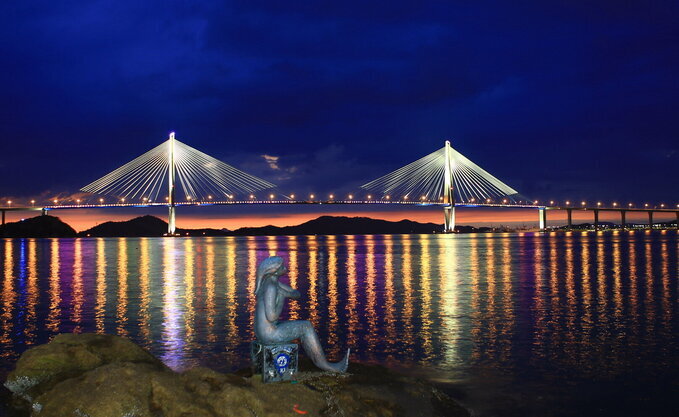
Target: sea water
point(509, 324)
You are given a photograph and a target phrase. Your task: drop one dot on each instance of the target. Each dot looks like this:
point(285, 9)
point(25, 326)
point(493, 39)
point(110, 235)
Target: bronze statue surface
point(270, 299)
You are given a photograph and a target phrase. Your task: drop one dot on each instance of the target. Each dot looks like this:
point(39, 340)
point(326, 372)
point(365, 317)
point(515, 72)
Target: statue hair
point(267, 267)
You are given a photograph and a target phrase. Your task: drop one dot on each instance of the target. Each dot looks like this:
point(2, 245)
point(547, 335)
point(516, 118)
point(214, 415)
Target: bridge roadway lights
point(542, 216)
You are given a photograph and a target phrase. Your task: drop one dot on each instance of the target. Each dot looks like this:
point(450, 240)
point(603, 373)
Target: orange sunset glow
point(216, 218)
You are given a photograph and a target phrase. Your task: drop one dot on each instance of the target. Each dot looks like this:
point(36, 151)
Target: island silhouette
point(151, 226)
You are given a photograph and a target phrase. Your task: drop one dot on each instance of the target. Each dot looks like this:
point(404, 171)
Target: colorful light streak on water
point(509, 314)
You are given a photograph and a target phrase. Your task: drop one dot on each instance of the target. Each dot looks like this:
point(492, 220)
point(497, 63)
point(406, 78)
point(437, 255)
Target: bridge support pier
point(650, 220)
point(3, 217)
point(569, 212)
point(542, 218)
point(623, 223)
point(596, 219)
point(171, 227)
point(449, 219)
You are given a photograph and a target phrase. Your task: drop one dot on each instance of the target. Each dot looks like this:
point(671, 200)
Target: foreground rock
point(108, 376)
point(68, 356)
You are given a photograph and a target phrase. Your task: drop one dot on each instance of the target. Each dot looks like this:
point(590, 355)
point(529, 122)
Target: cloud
point(272, 161)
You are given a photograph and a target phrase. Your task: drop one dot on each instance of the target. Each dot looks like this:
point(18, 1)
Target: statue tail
point(345, 361)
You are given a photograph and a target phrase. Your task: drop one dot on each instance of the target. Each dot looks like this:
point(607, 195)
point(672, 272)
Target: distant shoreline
point(150, 226)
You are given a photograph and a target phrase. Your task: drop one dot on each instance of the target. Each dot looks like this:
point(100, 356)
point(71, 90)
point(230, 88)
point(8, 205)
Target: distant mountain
point(40, 226)
point(137, 227)
point(325, 225)
point(341, 225)
point(150, 226)
point(145, 226)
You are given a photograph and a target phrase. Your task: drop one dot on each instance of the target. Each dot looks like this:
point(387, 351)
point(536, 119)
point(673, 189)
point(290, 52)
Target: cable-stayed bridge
point(442, 176)
point(174, 174)
point(181, 170)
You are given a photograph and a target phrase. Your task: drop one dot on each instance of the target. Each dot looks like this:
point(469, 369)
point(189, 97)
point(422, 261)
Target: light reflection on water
point(499, 310)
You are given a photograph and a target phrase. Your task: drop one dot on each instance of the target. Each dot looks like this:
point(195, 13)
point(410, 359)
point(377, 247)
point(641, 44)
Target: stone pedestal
point(276, 362)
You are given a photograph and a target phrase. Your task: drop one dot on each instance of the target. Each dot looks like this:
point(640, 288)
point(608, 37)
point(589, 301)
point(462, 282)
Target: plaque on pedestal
point(276, 362)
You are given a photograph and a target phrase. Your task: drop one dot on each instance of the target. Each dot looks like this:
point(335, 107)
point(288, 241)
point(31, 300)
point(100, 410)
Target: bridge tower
point(448, 192)
point(187, 170)
point(170, 172)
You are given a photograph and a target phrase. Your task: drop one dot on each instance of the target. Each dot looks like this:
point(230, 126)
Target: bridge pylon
point(186, 173)
point(448, 192)
point(445, 177)
point(171, 226)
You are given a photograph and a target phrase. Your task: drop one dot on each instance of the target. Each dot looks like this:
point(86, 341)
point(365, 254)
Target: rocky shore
point(109, 376)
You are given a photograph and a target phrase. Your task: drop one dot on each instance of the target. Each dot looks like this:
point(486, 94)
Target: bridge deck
point(336, 202)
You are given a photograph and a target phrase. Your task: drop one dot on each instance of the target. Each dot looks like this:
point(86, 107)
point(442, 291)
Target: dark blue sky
point(558, 99)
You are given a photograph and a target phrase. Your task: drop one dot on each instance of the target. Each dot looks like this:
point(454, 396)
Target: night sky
point(560, 100)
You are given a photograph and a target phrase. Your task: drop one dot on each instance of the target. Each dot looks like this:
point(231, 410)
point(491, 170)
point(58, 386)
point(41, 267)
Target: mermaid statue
point(271, 295)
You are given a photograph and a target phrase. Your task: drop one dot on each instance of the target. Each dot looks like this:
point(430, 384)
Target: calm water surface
point(514, 324)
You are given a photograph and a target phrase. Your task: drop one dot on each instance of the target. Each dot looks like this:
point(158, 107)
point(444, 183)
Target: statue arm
point(272, 307)
point(288, 291)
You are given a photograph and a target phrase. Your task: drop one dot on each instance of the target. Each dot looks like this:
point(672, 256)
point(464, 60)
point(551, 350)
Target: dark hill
point(325, 225)
point(145, 226)
point(150, 226)
point(340, 225)
point(40, 226)
point(139, 226)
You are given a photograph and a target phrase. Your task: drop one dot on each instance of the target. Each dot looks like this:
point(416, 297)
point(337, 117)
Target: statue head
point(273, 265)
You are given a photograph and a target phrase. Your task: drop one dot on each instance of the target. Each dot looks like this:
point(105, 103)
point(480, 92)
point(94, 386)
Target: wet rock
point(117, 389)
point(68, 356)
point(108, 376)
